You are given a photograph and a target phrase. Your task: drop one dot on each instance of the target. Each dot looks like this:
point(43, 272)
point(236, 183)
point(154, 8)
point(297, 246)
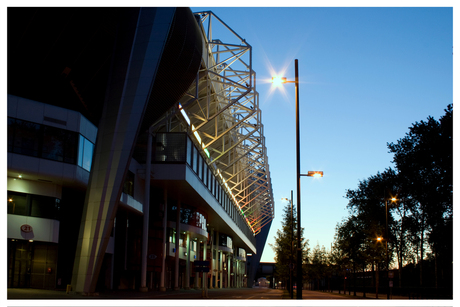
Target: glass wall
point(179, 148)
point(33, 205)
point(189, 215)
point(85, 153)
point(42, 141)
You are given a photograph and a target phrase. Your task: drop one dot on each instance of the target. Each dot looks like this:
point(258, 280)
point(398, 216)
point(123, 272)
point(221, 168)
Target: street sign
point(201, 266)
point(201, 263)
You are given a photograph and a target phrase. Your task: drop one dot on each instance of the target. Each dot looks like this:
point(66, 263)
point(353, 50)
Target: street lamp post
point(310, 174)
point(393, 199)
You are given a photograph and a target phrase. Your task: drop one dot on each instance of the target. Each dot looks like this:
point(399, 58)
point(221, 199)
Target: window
point(31, 139)
point(85, 153)
point(205, 173)
point(33, 205)
point(128, 187)
point(195, 159)
point(189, 152)
point(59, 144)
point(17, 203)
point(24, 137)
point(44, 206)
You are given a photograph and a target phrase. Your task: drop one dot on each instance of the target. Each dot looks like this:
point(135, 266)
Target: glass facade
point(189, 215)
point(198, 163)
point(47, 142)
point(33, 205)
point(85, 153)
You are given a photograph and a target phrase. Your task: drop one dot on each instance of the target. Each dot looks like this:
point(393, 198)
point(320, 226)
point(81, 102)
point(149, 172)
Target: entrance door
point(19, 263)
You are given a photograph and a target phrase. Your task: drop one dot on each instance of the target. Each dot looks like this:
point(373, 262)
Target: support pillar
point(221, 269)
point(205, 274)
point(176, 260)
point(211, 261)
point(165, 236)
point(198, 251)
point(187, 263)
point(146, 210)
point(228, 270)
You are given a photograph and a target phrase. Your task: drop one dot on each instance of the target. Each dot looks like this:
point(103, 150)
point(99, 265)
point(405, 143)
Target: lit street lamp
point(277, 81)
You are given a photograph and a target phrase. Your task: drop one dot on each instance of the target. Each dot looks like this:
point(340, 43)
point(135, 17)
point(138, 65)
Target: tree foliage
point(421, 218)
point(285, 246)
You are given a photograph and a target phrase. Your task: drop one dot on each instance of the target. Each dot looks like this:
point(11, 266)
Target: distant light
point(10, 200)
point(379, 239)
point(20, 176)
point(393, 199)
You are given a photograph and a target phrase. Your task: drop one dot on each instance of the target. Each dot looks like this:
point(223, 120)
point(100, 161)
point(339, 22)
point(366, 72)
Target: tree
point(285, 246)
point(424, 160)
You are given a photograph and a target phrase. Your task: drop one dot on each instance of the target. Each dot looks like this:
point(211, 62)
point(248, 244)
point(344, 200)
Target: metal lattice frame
point(221, 110)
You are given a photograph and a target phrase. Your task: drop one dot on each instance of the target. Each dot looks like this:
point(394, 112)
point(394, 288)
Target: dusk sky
point(366, 75)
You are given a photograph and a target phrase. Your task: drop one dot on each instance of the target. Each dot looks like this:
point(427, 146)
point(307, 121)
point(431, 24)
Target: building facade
point(135, 148)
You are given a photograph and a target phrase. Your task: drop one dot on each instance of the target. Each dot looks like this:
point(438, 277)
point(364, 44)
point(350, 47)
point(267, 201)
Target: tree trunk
point(377, 282)
point(421, 256)
point(435, 268)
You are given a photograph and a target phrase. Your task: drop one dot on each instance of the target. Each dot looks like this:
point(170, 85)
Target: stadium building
point(135, 151)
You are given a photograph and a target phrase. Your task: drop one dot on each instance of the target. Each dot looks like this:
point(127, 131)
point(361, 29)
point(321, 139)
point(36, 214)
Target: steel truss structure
point(221, 111)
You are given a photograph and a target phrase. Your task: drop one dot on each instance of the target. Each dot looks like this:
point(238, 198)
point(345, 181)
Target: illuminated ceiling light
point(196, 134)
point(187, 119)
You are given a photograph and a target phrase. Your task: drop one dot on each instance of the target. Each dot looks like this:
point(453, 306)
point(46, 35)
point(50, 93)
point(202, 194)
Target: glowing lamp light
point(278, 81)
point(315, 174)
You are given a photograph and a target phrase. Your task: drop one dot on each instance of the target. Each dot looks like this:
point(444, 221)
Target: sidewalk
point(26, 294)
point(371, 296)
point(33, 294)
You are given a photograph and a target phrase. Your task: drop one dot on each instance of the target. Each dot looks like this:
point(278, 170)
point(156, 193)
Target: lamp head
point(278, 81)
point(315, 174)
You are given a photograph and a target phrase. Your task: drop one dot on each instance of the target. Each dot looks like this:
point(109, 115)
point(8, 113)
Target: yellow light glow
point(278, 81)
point(10, 200)
point(393, 199)
point(379, 239)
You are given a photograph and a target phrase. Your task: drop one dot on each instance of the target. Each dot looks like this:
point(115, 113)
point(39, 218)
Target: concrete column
point(221, 269)
point(165, 242)
point(228, 271)
point(216, 268)
point(146, 210)
point(198, 252)
point(205, 275)
point(176, 263)
point(211, 261)
point(118, 127)
point(187, 263)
